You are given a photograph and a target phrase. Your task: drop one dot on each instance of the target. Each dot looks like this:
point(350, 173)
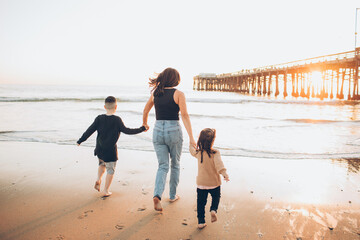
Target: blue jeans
point(167, 140)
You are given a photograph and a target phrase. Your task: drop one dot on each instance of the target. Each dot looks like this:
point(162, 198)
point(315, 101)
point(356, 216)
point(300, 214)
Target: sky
point(115, 42)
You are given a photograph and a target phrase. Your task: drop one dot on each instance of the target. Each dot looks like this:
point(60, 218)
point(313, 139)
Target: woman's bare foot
point(201, 225)
point(157, 204)
point(97, 185)
point(213, 216)
point(107, 194)
point(177, 197)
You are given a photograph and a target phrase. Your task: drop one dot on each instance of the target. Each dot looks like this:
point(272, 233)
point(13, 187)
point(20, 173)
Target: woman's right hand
point(146, 127)
point(147, 108)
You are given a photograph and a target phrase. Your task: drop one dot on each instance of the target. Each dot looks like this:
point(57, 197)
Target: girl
point(210, 166)
point(167, 134)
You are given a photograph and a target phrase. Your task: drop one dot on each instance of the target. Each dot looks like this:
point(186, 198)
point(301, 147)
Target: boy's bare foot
point(107, 194)
point(157, 204)
point(213, 216)
point(97, 185)
point(201, 225)
point(177, 197)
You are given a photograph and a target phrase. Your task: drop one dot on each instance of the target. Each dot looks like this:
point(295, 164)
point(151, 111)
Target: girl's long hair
point(206, 142)
point(170, 77)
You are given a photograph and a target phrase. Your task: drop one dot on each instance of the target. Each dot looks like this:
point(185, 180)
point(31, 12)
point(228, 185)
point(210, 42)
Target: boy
point(108, 127)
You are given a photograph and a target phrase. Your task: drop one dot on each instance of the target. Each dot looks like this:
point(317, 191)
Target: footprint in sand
point(85, 214)
point(119, 227)
point(124, 183)
point(60, 237)
point(227, 207)
point(145, 189)
point(133, 172)
point(144, 192)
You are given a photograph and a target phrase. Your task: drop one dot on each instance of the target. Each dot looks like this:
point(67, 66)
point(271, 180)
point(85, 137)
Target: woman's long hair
point(170, 77)
point(206, 142)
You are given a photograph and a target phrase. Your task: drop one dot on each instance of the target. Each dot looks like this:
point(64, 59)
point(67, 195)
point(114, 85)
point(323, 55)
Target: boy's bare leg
point(108, 181)
point(101, 172)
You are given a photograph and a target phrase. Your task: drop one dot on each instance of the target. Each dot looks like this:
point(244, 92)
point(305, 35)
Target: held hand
point(192, 142)
point(226, 178)
point(146, 127)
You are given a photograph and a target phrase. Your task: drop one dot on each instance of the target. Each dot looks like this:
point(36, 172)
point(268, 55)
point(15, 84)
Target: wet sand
point(47, 193)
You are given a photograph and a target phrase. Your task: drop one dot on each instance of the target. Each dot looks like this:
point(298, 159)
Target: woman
point(167, 134)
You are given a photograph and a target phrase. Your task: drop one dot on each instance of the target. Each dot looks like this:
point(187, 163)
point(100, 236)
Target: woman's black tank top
point(165, 106)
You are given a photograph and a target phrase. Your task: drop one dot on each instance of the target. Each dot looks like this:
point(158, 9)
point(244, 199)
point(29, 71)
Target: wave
point(216, 116)
point(145, 145)
point(312, 120)
point(320, 121)
point(6, 132)
point(284, 155)
point(354, 142)
point(70, 99)
point(196, 115)
point(121, 99)
point(11, 131)
point(255, 99)
point(144, 98)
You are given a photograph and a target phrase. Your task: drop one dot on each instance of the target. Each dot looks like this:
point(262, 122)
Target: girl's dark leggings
point(202, 195)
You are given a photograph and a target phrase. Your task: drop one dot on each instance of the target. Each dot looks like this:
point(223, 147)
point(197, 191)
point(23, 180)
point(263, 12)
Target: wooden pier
point(325, 77)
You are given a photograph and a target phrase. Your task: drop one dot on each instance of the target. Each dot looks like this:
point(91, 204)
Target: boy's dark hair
point(110, 99)
point(206, 141)
point(110, 102)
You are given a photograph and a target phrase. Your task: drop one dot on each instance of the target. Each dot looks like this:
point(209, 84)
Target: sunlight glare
point(316, 80)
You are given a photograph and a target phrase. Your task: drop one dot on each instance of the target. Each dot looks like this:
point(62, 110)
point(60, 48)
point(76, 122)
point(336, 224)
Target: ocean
point(247, 126)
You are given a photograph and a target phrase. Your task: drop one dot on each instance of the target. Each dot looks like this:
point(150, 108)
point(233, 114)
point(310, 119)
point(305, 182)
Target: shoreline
point(47, 193)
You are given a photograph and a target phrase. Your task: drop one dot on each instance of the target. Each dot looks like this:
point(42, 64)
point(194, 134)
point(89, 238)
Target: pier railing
point(343, 67)
point(349, 56)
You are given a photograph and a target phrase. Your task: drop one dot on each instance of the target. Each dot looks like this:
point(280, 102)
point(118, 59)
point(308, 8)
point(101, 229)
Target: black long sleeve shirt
point(108, 128)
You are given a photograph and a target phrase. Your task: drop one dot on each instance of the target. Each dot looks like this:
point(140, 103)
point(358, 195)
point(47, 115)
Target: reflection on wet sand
point(316, 181)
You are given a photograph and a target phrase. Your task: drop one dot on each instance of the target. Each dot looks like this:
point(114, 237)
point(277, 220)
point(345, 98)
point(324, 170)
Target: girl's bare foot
point(97, 185)
point(201, 225)
point(107, 194)
point(213, 216)
point(177, 197)
point(157, 204)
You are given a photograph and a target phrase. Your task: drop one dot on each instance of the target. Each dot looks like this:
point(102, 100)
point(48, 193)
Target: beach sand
point(47, 193)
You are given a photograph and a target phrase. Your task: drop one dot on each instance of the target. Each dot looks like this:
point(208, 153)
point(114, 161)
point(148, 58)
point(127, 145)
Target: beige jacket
point(210, 169)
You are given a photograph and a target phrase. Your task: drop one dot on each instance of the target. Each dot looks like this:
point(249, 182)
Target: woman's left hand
point(192, 142)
